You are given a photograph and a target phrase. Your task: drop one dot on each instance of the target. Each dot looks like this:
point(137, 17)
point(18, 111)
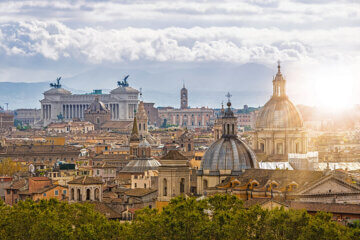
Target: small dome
point(228, 154)
point(124, 90)
point(279, 113)
point(57, 91)
point(97, 106)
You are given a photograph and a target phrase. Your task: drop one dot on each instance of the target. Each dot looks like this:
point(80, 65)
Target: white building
point(59, 103)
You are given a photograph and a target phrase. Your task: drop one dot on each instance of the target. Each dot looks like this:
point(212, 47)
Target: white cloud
point(54, 40)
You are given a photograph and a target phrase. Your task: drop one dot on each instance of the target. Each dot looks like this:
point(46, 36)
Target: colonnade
point(46, 110)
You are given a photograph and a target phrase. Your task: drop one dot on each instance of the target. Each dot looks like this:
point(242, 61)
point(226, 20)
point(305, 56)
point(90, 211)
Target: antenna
point(228, 95)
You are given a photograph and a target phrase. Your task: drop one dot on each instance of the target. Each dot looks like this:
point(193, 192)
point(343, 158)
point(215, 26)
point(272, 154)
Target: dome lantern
point(229, 121)
point(279, 84)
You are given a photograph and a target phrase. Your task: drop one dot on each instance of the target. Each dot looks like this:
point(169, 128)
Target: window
point(144, 185)
point(97, 194)
point(98, 172)
point(87, 194)
point(44, 194)
point(79, 195)
point(64, 192)
point(297, 148)
point(56, 192)
point(205, 184)
point(72, 194)
point(182, 185)
point(135, 185)
point(164, 187)
point(262, 147)
point(279, 148)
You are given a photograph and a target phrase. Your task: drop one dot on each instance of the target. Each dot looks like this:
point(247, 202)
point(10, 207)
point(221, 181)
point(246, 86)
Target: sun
point(334, 89)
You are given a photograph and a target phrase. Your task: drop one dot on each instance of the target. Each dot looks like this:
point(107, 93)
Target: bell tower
point(142, 120)
point(184, 98)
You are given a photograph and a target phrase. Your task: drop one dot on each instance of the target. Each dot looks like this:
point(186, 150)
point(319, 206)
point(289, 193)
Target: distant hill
point(207, 84)
point(22, 95)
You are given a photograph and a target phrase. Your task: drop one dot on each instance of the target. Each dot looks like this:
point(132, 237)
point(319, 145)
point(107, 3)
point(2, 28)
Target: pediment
point(330, 186)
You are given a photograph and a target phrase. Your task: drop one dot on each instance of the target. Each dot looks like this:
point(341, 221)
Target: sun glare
point(334, 90)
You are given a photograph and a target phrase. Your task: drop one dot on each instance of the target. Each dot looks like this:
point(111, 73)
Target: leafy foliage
point(216, 217)
point(9, 167)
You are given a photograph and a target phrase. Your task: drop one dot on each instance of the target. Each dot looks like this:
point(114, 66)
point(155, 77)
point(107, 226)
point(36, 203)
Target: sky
point(211, 46)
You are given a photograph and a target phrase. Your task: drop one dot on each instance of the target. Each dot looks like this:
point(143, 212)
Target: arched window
point(262, 147)
point(144, 127)
point(139, 126)
point(87, 194)
point(182, 185)
point(72, 194)
point(164, 187)
point(79, 195)
point(297, 148)
point(97, 194)
point(189, 147)
point(205, 184)
point(279, 148)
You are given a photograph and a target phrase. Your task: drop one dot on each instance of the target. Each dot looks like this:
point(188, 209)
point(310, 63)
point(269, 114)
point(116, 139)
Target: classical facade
point(97, 113)
point(85, 189)
point(279, 126)
point(59, 103)
point(190, 117)
point(185, 116)
point(27, 116)
point(227, 156)
point(174, 177)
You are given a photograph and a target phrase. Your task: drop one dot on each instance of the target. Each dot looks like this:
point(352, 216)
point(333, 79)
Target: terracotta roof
point(106, 210)
point(327, 207)
point(139, 192)
point(86, 180)
point(110, 195)
point(18, 184)
point(174, 155)
point(281, 177)
point(40, 178)
point(123, 125)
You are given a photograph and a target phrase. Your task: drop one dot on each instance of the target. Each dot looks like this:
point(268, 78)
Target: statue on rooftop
point(57, 84)
point(124, 83)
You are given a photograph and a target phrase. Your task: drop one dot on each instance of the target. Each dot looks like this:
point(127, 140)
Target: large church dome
point(279, 111)
point(228, 152)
